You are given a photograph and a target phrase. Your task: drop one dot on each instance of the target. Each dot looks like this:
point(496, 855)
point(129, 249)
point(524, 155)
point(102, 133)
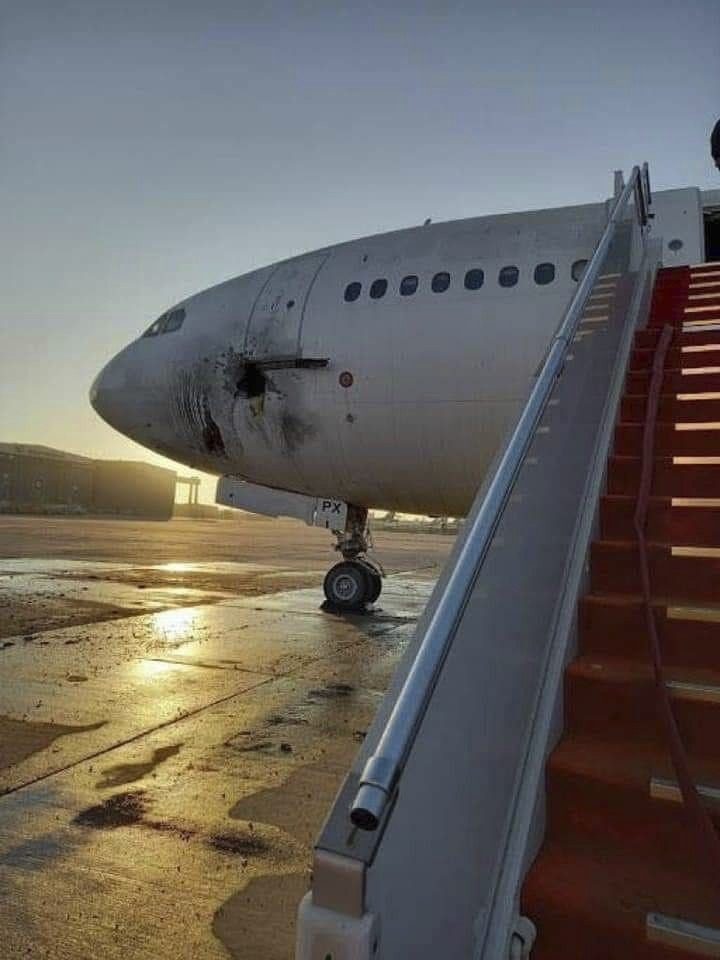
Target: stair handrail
point(382, 772)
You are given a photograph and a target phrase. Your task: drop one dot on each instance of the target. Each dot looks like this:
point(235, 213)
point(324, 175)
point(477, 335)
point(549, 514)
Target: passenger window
point(508, 276)
point(474, 279)
point(578, 269)
point(408, 285)
point(174, 321)
point(544, 273)
point(352, 291)
point(378, 288)
point(155, 328)
point(440, 282)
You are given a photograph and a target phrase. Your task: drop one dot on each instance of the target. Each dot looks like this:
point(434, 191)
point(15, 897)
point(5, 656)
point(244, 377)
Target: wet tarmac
point(166, 763)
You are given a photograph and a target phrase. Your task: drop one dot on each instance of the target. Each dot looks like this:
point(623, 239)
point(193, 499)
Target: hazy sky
point(149, 149)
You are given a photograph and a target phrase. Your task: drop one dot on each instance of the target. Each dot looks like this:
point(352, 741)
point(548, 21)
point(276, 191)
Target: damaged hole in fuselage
point(212, 438)
point(252, 383)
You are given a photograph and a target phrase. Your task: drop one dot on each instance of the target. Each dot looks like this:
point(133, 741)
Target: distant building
point(38, 479)
point(34, 477)
point(133, 489)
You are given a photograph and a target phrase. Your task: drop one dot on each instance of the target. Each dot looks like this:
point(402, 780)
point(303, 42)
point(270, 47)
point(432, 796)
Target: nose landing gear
point(356, 581)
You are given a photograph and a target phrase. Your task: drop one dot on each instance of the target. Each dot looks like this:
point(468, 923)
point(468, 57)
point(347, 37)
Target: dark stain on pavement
point(332, 691)
point(243, 844)
point(279, 719)
point(120, 810)
point(260, 746)
point(122, 773)
point(160, 826)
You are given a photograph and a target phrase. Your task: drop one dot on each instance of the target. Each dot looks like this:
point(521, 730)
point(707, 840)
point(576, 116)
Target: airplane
point(382, 372)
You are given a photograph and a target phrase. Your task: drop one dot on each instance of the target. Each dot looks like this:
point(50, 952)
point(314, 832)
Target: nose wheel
point(352, 584)
point(356, 581)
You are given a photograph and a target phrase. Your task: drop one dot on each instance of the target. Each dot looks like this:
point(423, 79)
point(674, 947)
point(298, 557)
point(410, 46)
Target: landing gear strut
point(355, 581)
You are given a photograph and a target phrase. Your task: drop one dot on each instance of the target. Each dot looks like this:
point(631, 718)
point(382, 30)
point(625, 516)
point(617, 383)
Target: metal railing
point(383, 770)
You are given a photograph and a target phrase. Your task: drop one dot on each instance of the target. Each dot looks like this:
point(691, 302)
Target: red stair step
point(669, 479)
point(668, 304)
point(615, 568)
point(669, 441)
point(642, 359)
point(666, 285)
point(710, 324)
point(592, 904)
point(616, 700)
point(670, 298)
point(680, 524)
point(675, 381)
point(603, 789)
point(649, 337)
point(614, 625)
point(670, 295)
point(697, 269)
point(668, 313)
point(675, 281)
point(670, 409)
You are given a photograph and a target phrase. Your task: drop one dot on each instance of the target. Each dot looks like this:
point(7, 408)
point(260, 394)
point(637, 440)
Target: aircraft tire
point(374, 578)
point(348, 585)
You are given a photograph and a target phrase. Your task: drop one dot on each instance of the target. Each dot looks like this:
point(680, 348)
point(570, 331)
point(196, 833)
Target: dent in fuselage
point(190, 406)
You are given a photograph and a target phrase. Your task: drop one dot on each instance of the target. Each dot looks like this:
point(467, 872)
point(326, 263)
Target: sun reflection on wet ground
point(225, 727)
point(177, 625)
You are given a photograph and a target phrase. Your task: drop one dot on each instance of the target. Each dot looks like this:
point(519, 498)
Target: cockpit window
point(544, 273)
point(474, 279)
point(155, 328)
point(352, 291)
point(508, 276)
point(408, 285)
point(440, 282)
point(578, 269)
point(174, 320)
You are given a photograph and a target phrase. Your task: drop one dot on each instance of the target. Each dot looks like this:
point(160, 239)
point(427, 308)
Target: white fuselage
point(402, 401)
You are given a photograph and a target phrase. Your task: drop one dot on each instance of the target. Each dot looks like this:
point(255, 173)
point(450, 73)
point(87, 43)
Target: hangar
point(39, 479)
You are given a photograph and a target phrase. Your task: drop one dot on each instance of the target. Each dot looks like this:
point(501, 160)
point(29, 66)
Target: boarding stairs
point(543, 777)
point(623, 871)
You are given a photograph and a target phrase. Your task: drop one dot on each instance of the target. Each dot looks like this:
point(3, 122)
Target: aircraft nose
point(108, 394)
